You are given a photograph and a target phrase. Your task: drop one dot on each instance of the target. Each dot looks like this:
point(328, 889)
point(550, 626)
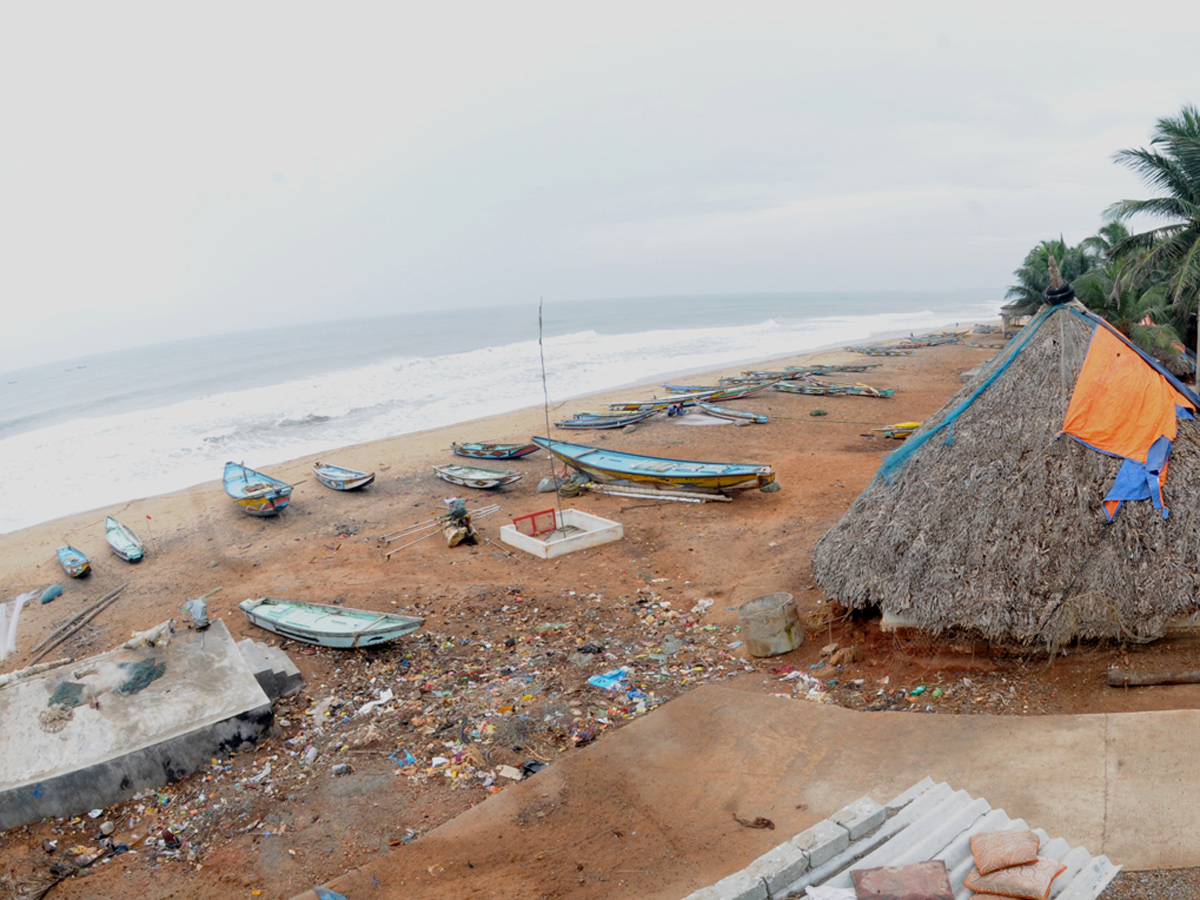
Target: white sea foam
point(157, 445)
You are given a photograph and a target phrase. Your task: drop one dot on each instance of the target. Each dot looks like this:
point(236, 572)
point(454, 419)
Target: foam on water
point(119, 443)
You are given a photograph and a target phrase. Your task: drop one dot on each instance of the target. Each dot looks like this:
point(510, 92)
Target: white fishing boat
point(328, 626)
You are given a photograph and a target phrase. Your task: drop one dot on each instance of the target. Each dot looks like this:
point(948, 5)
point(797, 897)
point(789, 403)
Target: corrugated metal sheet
point(929, 821)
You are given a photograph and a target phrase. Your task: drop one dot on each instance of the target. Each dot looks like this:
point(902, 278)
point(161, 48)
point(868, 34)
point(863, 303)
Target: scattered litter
point(402, 758)
point(532, 767)
point(50, 593)
point(385, 697)
point(609, 680)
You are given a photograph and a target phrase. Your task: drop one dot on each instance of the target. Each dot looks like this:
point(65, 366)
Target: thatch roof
point(994, 525)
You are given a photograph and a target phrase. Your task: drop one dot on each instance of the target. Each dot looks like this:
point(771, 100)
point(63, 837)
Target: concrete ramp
point(656, 811)
point(97, 731)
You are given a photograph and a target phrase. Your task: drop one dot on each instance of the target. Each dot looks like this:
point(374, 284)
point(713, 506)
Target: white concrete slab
point(126, 732)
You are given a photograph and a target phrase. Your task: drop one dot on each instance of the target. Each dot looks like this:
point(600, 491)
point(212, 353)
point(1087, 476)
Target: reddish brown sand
point(484, 606)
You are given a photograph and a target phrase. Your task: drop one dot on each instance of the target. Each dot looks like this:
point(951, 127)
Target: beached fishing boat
point(123, 541)
point(736, 415)
point(487, 450)
point(73, 561)
point(882, 350)
point(828, 388)
point(605, 420)
point(341, 479)
point(256, 493)
point(660, 403)
point(899, 431)
point(723, 392)
point(328, 626)
point(821, 370)
point(611, 466)
point(477, 477)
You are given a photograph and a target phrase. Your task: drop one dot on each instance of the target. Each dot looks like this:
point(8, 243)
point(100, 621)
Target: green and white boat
point(328, 626)
point(123, 541)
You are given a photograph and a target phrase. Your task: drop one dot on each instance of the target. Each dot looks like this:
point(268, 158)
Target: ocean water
point(150, 420)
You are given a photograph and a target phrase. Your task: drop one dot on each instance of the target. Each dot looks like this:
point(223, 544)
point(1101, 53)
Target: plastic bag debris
point(610, 680)
point(10, 614)
point(532, 767)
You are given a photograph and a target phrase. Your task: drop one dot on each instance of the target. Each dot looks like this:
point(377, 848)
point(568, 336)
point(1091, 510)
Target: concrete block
point(740, 886)
point(202, 702)
point(260, 666)
point(861, 816)
point(924, 786)
point(779, 866)
point(822, 842)
point(288, 675)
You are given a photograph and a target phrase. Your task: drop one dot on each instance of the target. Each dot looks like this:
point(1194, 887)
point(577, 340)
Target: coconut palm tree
point(1033, 277)
point(1141, 311)
point(1172, 166)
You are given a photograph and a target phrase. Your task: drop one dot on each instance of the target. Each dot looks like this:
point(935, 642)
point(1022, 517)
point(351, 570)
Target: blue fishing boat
point(490, 450)
point(257, 494)
point(340, 479)
point(612, 466)
point(123, 541)
point(73, 561)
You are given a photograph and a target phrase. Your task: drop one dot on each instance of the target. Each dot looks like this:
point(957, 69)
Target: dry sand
point(494, 617)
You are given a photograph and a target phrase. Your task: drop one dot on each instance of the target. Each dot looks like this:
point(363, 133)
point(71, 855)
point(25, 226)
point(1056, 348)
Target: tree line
point(1146, 284)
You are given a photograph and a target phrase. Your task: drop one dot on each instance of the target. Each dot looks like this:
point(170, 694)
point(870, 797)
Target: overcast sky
point(175, 169)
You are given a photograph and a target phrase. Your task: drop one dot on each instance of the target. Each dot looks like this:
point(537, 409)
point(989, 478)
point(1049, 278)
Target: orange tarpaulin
point(1121, 405)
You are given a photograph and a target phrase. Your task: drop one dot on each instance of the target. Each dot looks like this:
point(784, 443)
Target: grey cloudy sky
point(175, 169)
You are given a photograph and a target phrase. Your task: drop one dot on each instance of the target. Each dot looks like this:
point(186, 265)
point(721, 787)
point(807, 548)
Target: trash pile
point(440, 712)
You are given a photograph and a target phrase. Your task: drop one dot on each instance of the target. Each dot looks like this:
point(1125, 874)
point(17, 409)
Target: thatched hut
point(1002, 516)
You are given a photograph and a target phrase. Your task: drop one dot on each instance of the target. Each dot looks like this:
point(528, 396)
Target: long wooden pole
point(96, 610)
point(1119, 678)
point(61, 628)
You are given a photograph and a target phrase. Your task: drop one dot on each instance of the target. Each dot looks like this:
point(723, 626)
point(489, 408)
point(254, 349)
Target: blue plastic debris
point(609, 680)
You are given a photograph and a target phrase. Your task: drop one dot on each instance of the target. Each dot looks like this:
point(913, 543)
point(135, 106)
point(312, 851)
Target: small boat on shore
point(340, 627)
point(882, 350)
point(660, 403)
point(722, 392)
point(736, 415)
point(123, 541)
point(899, 431)
point(256, 493)
point(477, 477)
point(340, 479)
point(486, 450)
point(828, 388)
point(612, 466)
point(605, 420)
point(73, 561)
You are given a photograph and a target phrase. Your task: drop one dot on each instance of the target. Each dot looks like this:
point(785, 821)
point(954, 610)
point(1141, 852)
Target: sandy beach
point(494, 617)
